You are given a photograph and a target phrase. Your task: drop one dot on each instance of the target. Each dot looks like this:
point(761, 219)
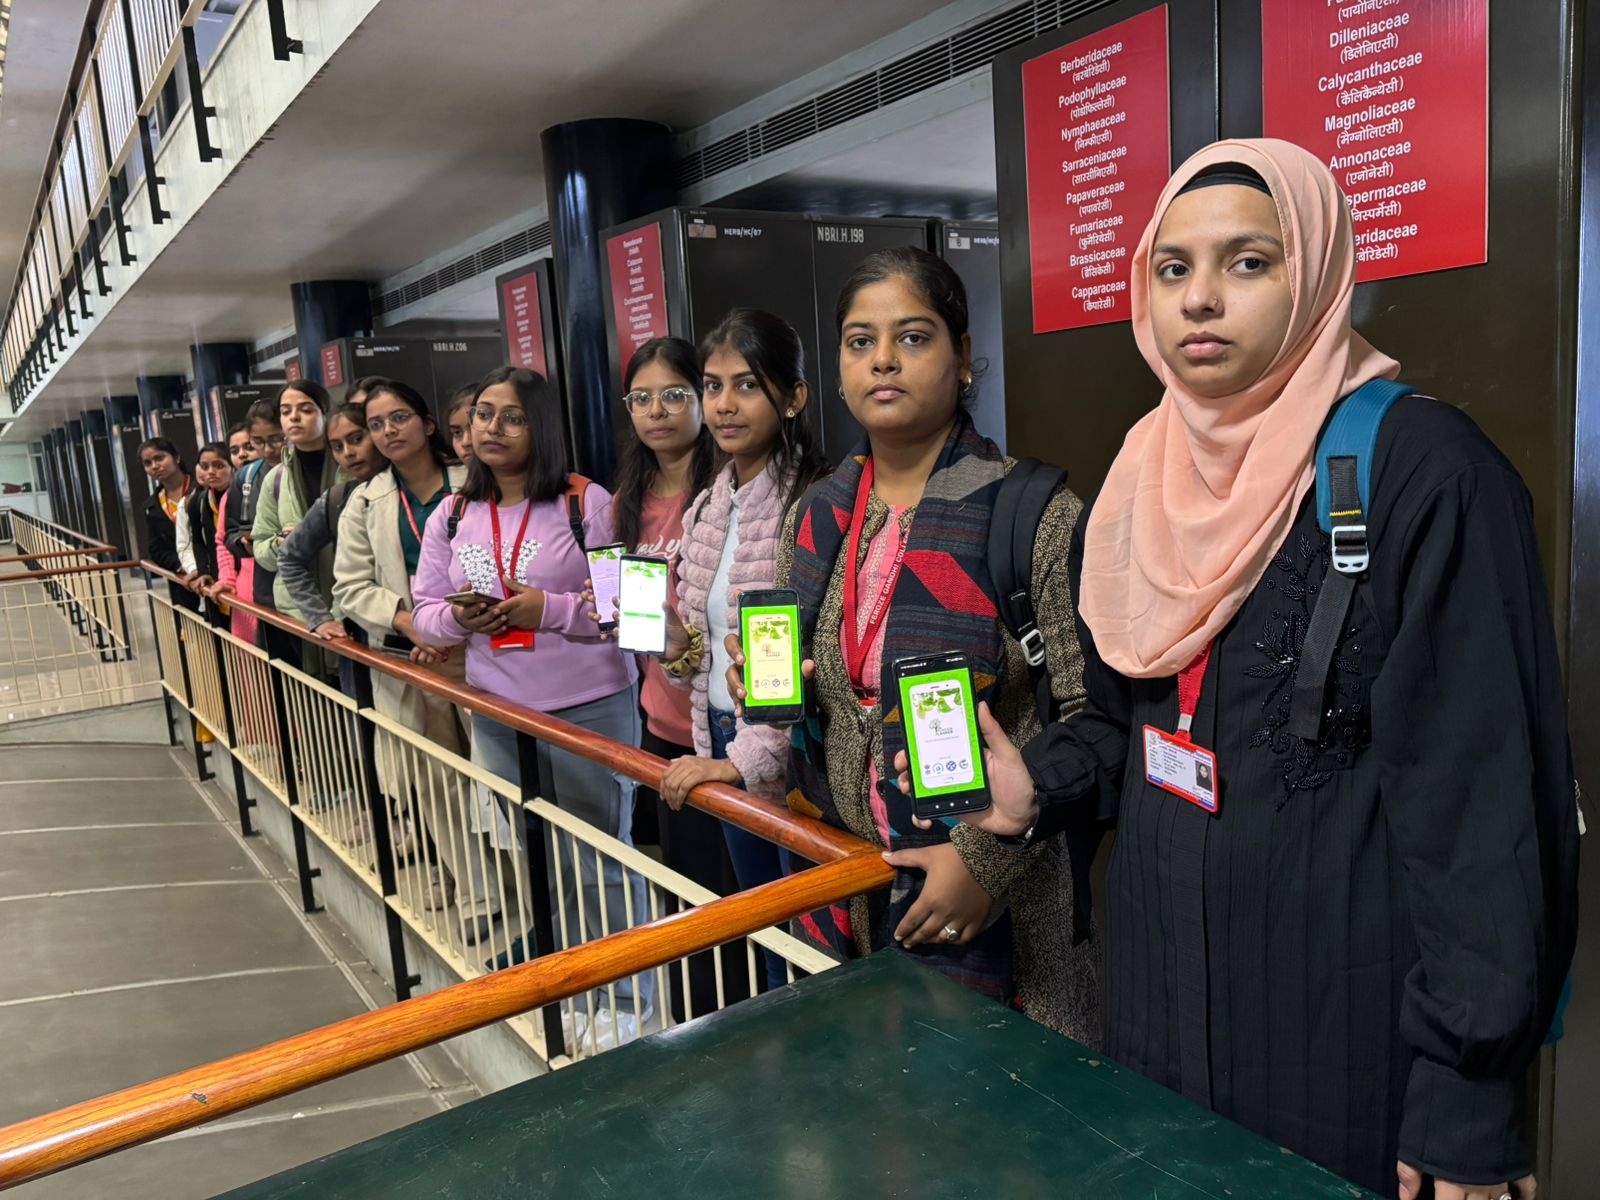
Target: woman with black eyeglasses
point(511, 537)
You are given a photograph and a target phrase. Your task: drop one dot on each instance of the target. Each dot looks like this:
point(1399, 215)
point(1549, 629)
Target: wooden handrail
point(89, 543)
point(44, 554)
point(804, 836)
point(46, 1144)
point(56, 572)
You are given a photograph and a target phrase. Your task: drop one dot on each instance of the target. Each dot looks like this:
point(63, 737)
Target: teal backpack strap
point(1344, 456)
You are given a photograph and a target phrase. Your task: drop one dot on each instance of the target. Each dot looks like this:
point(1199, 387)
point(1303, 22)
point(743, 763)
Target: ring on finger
point(950, 933)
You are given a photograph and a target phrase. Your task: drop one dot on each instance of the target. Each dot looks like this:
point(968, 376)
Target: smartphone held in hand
point(642, 604)
point(605, 573)
point(769, 631)
point(940, 711)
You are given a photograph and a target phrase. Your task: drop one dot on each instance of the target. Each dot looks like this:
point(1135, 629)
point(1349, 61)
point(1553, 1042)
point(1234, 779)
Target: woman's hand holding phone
point(476, 616)
point(735, 676)
point(1014, 805)
point(524, 608)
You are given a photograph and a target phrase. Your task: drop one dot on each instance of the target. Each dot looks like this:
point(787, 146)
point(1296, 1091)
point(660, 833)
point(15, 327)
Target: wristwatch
point(1021, 841)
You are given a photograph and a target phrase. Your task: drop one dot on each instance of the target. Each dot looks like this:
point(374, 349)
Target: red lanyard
point(506, 574)
point(1189, 681)
point(856, 646)
point(172, 514)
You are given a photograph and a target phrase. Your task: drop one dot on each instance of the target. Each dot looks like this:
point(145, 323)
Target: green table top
point(879, 1078)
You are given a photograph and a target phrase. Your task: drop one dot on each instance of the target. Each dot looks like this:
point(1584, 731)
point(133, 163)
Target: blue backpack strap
point(1344, 456)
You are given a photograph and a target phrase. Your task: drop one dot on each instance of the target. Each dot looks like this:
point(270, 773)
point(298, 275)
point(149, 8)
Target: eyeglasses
point(277, 442)
point(396, 421)
point(508, 420)
point(673, 399)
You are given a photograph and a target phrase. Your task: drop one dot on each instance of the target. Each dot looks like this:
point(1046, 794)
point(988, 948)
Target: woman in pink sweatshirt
point(755, 401)
point(508, 536)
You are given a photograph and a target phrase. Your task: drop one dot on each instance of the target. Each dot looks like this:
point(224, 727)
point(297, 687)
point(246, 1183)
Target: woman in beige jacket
point(380, 537)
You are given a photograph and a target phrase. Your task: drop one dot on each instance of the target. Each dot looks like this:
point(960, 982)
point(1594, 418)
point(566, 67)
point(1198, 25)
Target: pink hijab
point(1205, 490)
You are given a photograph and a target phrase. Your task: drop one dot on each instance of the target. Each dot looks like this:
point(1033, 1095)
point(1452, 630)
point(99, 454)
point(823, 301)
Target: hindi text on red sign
point(524, 322)
point(1098, 130)
point(1394, 96)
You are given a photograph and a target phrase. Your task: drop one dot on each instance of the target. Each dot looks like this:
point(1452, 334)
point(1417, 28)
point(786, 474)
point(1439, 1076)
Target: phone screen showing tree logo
point(770, 669)
point(943, 734)
point(605, 572)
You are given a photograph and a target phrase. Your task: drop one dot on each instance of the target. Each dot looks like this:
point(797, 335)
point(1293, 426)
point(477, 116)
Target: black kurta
point(1360, 953)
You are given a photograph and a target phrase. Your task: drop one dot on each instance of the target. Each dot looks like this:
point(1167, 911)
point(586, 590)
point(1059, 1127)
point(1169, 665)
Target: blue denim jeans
point(755, 860)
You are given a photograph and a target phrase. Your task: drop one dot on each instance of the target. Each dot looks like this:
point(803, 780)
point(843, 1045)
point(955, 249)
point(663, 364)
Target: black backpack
point(1024, 494)
point(577, 495)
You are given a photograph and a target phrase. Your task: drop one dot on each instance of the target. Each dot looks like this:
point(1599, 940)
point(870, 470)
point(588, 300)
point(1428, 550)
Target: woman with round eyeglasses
point(670, 460)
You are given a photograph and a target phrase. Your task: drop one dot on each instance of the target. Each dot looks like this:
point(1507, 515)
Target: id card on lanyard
point(857, 645)
point(1172, 761)
point(511, 639)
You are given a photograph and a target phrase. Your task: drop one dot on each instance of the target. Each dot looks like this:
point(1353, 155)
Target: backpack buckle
point(1032, 642)
point(1351, 554)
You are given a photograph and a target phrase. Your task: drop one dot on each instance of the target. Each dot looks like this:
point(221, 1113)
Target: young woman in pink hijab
point(1350, 942)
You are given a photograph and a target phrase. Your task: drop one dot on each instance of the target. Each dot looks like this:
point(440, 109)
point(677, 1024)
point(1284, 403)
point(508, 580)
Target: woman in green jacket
point(307, 470)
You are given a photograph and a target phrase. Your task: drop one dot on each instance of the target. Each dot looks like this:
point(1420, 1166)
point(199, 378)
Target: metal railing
point(394, 807)
point(69, 641)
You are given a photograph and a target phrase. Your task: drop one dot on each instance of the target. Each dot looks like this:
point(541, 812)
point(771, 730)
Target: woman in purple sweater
point(539, 646)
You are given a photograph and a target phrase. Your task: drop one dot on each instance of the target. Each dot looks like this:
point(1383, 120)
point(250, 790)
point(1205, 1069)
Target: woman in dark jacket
point(165, 468)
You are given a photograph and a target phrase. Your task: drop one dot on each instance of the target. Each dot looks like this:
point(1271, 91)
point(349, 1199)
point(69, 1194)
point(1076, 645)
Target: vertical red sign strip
point(1394, 96)
point(519, 298)
point(638, 288)
point(291, 371)
point(332, 365)
point(1098, 130)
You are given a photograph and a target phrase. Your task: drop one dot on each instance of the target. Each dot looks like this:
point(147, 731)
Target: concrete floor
point(141, 935)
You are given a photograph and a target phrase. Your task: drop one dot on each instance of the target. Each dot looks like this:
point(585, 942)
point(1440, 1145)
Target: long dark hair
point(639, 466)
point(773, 351)
point(412, 399)
point(547, 438)
point(931, 277)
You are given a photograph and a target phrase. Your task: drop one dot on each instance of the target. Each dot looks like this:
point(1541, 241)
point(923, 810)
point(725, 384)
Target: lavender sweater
point(760, 752)
point(568, 664)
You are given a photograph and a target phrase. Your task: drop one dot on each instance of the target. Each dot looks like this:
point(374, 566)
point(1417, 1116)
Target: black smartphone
point(940, 711)
point(642, 603)
point(769, 630)
point(605, 572)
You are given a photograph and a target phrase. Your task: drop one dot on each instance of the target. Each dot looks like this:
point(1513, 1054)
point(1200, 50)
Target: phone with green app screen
point(940, 711)
point(769, 631)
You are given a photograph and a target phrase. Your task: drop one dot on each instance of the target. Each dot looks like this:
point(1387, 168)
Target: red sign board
point(519, 300)
point(332, 365)
point(1394, 96)
point(638, 288)
point(1098, 131)
point(291, 371)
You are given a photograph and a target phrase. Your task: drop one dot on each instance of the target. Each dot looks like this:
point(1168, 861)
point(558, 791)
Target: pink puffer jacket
point(760, 752)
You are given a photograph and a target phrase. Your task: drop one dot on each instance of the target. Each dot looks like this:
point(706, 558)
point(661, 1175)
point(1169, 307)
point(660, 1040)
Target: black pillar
point(216, 364)
point(157, 392)
point(326, 309)
point(597, 173)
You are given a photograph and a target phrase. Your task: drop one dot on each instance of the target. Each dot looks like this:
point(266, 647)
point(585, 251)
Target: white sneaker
point(612, 1029)
point(440, 890)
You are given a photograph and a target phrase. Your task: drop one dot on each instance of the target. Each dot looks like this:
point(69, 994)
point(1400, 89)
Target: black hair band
point(1226, 175)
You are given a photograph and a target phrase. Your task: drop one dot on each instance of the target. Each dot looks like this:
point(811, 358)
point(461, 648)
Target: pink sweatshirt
point(760, 752)
point(568, 664)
